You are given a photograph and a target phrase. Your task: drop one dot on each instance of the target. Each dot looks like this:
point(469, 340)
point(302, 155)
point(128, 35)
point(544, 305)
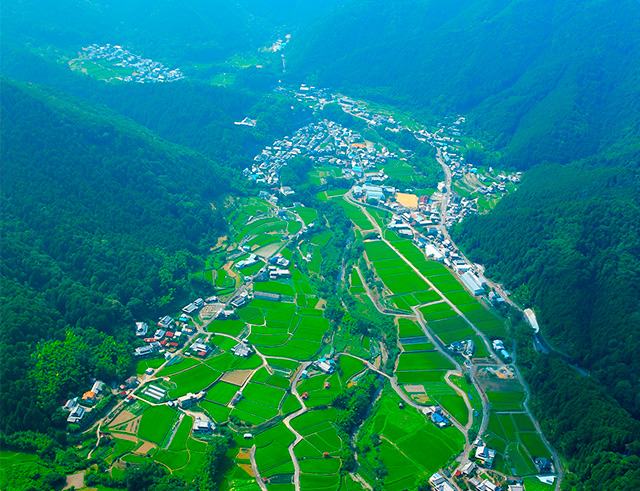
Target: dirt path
point(254, 467)
point(461, 393)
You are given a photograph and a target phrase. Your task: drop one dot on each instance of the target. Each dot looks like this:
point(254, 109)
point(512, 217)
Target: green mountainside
point(544, 80)
point(101, 221)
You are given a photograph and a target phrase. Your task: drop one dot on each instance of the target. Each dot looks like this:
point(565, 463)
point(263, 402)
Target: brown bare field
point(236, 377)
point(125, 436)
point(122, 417)
point(145, 448)
point(420, 398)
point(243, 454)
point(414, 388)
point(247, 468)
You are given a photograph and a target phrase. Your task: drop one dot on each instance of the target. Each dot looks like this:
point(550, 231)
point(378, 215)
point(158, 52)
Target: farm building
point(155, 392)
point(272, 297)
point(439, 419)
point(190, 399)
point(242, 349)
point(202, 425)
point(240, 300)
point(472, 282)
point(326, 366)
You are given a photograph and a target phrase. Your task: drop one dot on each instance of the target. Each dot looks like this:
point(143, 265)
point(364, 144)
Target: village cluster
point(133, 68)
point(446, 140)
point(325, 143)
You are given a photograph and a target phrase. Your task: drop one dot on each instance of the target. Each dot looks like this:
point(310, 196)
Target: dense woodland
point(101, 222)
point(544, 80)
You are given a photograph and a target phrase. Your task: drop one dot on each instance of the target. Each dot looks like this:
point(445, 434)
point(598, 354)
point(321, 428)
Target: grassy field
point(394, 272)
point(428, 360)
point(272, 455)
point(156, 423)
point(356, 215)
point(404, 434)
point(193, 380)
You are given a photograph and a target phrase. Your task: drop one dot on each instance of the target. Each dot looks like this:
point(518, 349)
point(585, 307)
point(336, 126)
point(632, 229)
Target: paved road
point(287, 423)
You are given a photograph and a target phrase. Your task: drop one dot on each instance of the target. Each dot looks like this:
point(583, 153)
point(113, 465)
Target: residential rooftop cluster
point(317, 98)
point(324, 142)
point(79, 406)
point(142, 70)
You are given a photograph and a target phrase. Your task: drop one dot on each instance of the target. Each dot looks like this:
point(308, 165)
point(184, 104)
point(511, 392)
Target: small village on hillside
point(114, 63)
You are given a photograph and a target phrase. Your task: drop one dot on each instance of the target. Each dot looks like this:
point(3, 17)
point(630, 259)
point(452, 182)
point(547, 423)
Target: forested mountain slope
point(191, 112)
point(198, 31)
point(101, 221)
point(576, 258)
point(550, 80)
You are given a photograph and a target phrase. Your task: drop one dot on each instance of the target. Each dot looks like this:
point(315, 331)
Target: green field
point(356, 215)
point(156, 423)
point(405, 434)
point(193, 380)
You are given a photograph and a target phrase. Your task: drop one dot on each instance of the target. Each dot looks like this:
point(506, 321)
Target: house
point(247, 436)
point(487, 485)
point(141, 329)
point(433, 253)
point(76, 415)
point(190, 399)
point(131, 382)
point(165, 322)
point(468, 469)
point(485, 455)
point(227, 314)
point(515, 487)
point(242, 349)
point(439, 483)
point(202, 425)
point(143, 351)
point(71, 404)
point(200, 349)
point(98, 386)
